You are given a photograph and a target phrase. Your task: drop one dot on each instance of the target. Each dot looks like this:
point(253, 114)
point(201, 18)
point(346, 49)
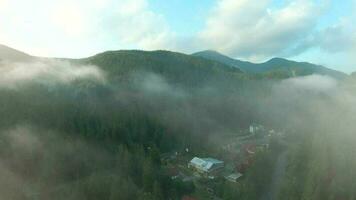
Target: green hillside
point(214, 55)
point(275, 67)
point(65, 137)
point(175, 67)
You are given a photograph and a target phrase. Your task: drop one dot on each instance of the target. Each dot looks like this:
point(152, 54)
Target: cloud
point(243, 29)
point(300, 29)
point(22, 139)
point(80, 28)
point(256, 31)
point(3, 4)
point(134, 23)
point(312, 83)
point(333, 45)
point(35, 162)
point(69, 19)
point(337, 38)
point(49, 71)
point(156, 86)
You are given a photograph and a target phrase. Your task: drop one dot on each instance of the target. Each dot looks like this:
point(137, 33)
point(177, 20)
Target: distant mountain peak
point(277, 59)
point(210, 51)
point(280, 65)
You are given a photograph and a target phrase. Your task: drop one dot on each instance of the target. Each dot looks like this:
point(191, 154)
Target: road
point(277, 178)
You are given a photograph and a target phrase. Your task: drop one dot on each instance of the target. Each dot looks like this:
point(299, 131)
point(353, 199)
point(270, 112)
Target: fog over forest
point(177, 100)
point(71, 131)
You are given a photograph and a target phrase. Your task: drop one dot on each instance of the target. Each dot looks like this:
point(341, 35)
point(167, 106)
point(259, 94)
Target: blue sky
point(186, 17)
point(318, 31)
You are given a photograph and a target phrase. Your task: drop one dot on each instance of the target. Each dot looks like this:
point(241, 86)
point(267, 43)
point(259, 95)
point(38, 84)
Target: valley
point(136, 125)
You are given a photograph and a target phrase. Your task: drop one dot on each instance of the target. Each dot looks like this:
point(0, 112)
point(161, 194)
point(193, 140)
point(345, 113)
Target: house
point(206, 166)
point(233, 177)
point(252, 129)
point(255, 128)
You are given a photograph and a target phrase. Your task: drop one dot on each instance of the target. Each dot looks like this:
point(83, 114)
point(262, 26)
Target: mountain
point(7, 53)
point(214, 55)
point(198, 68)
point(272, 66)
point(175, 67)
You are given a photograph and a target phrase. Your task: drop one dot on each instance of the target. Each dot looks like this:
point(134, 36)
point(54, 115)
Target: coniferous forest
point(101, 128)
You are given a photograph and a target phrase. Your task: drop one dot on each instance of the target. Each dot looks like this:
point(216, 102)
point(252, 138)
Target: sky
point(318, 31)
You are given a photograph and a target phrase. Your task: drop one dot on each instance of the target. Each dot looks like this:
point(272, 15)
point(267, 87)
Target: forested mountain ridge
point(214, 55)
point(273, 66)
point(102, 127)
point(200, 67)
point(175, 67)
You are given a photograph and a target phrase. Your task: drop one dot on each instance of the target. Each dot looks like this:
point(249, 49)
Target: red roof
point(173, 171)
point(188, 198)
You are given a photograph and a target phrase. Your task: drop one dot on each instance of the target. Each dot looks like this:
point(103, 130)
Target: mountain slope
point(216, 56)
point(7, 53)
point(199, 68)
point(275, 65)
point(300, 68)
point(176, 67)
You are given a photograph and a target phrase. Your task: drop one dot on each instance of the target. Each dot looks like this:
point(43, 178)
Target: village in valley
point(234, 154)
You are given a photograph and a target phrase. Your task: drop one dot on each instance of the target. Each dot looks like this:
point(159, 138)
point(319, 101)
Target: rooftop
point(233, 177)
point(205, 163)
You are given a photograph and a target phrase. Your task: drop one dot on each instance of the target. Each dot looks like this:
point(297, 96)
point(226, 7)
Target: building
point(206, 166)
point(233, 177)
point(255, 128)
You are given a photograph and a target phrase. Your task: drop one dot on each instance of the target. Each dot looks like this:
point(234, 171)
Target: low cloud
point(313, 83)
point(36, 162)
point(47, 72)
point(155, 85)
